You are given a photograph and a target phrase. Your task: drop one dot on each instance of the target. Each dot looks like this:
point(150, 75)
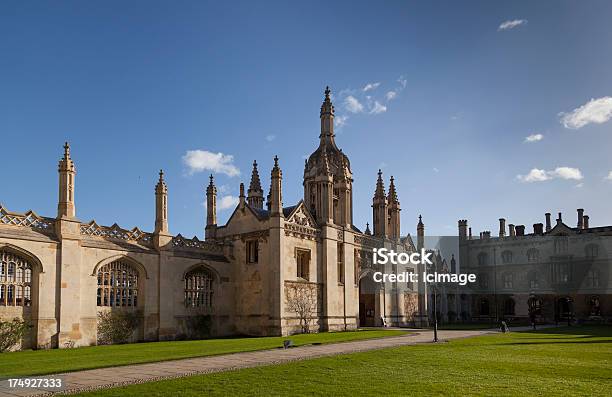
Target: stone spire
point(394, 212)
point(367, 229)
point(327, 119)
point(420, 233)
point(276, 198)
point(379, 208)
point(161, 205)
point(392, 197)
point(211, 209)
point(255, 192)
point(67, 171)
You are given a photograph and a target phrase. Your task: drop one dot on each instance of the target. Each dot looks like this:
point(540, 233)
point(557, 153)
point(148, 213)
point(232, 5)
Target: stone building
point(59, 273)
point(555, 273)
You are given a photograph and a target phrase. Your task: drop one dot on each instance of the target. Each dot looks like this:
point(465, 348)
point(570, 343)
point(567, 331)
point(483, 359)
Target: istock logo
point(383, 256)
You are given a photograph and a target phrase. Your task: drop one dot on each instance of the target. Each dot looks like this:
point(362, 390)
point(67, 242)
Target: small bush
point(198, 326)
point(115, 327)
point(11, 333)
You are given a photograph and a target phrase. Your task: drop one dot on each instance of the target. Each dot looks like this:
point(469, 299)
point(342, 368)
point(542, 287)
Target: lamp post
point(435, 314)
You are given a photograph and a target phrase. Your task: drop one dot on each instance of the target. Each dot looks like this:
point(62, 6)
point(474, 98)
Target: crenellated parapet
point(116, 232)
point(182, 242)
point(29, 219)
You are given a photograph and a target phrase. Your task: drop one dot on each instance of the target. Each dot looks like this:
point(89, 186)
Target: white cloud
point(378, 108)
point(534, 138)
point(596, 111)
point(390, 95)
point(511, 24)
point(270, 137)
point(227, 202)
point(535, 175)
point(370, 87)
point(436, 170)
point(609, 176)
point(340, 121)
point(203, 160)
point(352, 104)
point(538, 175)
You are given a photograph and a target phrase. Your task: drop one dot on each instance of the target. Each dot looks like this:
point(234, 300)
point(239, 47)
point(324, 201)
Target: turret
point(211, 209)
point(420, 234)
point(161, 205)
point(463, 225)
point(327, 118)
point(394, 212)
point(67, 171)
point(276, 199)
point(255, 193)
point(379, 208)
point(327, 175)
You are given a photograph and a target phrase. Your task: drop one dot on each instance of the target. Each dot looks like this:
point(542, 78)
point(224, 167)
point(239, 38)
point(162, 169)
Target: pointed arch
point(122, 257)
point(27, 255)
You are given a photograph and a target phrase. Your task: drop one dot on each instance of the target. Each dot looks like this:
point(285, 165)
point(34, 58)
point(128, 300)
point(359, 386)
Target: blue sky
point(134, 86)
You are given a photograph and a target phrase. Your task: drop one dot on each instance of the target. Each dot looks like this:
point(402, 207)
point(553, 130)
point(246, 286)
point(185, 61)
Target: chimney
point(485, 235)
point(580, 218)
point(502, 227)
point(538, 229)
point(585, 221)
point(511, 230)
point(559, 219)
point(470, 233)
point(547, 215)
point(520, 230)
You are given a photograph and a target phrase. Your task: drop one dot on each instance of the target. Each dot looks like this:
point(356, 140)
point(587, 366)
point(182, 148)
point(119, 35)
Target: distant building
point(555, 273)
point(59, 273)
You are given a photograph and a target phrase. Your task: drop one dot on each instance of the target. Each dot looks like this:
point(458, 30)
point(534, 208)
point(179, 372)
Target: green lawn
point(42, 362)
point(576, 362)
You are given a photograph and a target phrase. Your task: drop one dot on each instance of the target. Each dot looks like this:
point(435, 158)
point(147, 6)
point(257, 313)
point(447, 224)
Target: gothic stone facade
point(59, 273)
point(553, 274)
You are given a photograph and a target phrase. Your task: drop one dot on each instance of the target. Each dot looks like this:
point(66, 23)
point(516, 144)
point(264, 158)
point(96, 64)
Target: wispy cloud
point(203, 160)
point(390, 95)
point(596, 111)
point(609, 176)
point(340, 121)
point(402, 81)
point(533, 138)
point(370, 87)
point(270, 137)
point(511, 24)
point(539, 175)
point(378, 108)
point(352, 104)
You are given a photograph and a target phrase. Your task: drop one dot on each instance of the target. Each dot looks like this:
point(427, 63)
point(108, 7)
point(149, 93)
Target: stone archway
point(368, 298)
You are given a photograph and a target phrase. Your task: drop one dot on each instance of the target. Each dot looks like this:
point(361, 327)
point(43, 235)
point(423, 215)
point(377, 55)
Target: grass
point(42, 362)
point(575, 361)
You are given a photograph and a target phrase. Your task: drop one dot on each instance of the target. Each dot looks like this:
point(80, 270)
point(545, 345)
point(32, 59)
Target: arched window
point(533, 255)
point(507, 257)
point(117, 285)
point(199, 288)
point(482, 259)
point(15, 280)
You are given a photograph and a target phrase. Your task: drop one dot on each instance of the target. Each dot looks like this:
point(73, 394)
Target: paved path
point(140, 373)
